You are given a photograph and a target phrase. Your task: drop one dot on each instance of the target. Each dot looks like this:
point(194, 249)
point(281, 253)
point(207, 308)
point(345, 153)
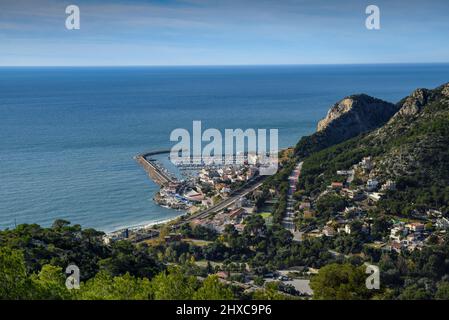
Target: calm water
point(68, 136)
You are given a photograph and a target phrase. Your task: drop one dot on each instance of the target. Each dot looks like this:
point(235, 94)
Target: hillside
point(410, 149)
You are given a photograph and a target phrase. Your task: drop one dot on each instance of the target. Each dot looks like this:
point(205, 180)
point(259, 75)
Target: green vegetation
point(198, 232)
point(14, 283)
point(271, 292)
point(340, 282)
point(33, 260)
point(49, 283)
point(212, 289)
point(329, 204)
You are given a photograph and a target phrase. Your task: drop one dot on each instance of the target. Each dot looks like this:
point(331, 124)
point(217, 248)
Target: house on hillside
point(372, 184)
point(328, 231)
point(336, 185)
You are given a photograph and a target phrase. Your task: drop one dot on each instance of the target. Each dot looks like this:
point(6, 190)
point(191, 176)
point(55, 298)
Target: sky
point(222, 32)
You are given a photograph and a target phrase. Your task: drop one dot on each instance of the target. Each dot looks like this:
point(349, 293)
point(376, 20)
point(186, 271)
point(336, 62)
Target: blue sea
point(68, 135)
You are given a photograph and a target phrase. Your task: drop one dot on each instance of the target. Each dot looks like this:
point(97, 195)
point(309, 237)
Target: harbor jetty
point(156, 173)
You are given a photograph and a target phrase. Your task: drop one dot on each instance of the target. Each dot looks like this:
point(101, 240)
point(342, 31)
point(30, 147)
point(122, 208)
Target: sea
point(68, 135)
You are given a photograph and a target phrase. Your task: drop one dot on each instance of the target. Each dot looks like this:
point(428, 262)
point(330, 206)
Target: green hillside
point(411, 149)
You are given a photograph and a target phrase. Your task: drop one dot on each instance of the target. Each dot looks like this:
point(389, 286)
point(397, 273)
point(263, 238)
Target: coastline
point(145, 225)
point(152, 172)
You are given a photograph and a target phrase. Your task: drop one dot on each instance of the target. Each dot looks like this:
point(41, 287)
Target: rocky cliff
point(357, 114)
point(346, 119)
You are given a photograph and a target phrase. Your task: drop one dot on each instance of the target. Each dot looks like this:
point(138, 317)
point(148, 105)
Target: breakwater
point(154, 171)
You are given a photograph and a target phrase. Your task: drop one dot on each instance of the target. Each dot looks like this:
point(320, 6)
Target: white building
point(348, 229)
point(345, 172)
point(375, 196)
point(372, 184)
point(253, 158)
point(442, 223)
point(398, 232)
point(366, 163)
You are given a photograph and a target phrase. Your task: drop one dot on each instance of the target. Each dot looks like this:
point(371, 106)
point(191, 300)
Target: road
point(287, 221)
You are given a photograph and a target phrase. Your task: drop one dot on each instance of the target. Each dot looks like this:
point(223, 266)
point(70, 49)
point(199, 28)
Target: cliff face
point(346, 119)
point(414, 103)
point(358, 114)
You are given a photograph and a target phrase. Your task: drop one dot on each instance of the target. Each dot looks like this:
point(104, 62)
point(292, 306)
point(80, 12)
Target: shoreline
point(152, 171)
point(144, 225)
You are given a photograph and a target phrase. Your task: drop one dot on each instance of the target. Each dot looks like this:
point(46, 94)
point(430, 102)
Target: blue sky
point(228, 32)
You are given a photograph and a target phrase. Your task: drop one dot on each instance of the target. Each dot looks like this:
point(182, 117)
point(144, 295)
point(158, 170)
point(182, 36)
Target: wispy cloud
point(219, 32)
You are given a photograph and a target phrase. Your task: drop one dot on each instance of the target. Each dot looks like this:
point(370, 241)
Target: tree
point(270, 292)
point(174, 285)
point(442, 291)
point(106, 287)
point(127, 257)
point(230, 232)
point(209, 268)
point(259, 281)
point(255, 229)
point(340, 282)
point(380, 228)
point(60, 224)
point(49, 284)
point(328, 204)
point(59, 246)
point(414, 292)
point(14, 283)
point(213, 289)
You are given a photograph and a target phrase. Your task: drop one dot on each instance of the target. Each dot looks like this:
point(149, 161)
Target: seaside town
point(209, 185)
point(359, 187)
point(205, 186)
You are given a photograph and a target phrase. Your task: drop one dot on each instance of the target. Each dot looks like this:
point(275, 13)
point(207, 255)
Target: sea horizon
point(228, 65)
